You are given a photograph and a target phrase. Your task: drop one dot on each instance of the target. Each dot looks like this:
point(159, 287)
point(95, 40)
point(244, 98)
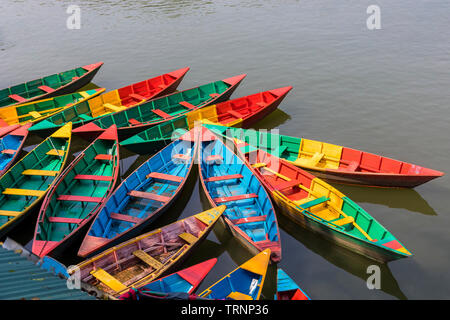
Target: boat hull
point(373, 180)
point(351, 243)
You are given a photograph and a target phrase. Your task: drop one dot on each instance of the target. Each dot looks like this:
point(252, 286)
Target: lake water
point(384, 91)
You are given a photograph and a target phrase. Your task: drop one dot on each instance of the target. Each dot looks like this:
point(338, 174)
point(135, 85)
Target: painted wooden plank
point(152, 262)
point(188, 237)
point(235, 198)
point(17, 98)
point(92, 177)
point(124, 217)
point(222, 178)
point(187, 105)
point(65, 220)
point(36, 172)
point(79, 198)
point(149, 195)
point(9, 213)
point(54, 152)
point(107, 157)
point(161, 113)
point(108, 280)
point(163, 176)
point(46, 89)
point(24, 192)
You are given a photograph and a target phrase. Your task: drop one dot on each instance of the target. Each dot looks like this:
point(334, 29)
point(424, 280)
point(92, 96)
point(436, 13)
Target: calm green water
point(383, 91)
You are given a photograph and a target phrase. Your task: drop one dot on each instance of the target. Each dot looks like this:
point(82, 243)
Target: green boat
point(333, 162)
point(77, 195)
point(24, 185)
point(50, 86)
point(143, 116)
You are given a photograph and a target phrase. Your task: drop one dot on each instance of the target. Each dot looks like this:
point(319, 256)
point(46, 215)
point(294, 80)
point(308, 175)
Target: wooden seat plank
point(149, 195)
point(235, 198)
point(108, 280)
point(125, 217)
point(79, 198)
point(64, 220)
point(148, 259)
point(163, 176)
point(161, 113)
point(36, 172)
point(222, 178)
point(24, 192)
point(188, 237)
point(92, 177)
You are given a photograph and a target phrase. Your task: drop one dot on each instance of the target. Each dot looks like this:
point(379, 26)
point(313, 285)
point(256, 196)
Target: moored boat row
point(248, 178)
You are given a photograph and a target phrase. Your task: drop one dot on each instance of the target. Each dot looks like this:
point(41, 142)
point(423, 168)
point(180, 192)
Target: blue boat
point(226, 179)
point(142, 197)
point(243, 283)
point(183, 281)
point(11, 143)
point(287, 289)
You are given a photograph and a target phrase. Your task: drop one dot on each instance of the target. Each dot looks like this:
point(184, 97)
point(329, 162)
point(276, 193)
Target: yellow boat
point(243, 283)
point(143, 259)
point(39, 110)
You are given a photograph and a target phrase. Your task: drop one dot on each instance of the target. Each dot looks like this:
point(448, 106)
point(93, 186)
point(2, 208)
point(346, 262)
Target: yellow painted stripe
point(36, 172)
point(24, 192)
point(55, 152)
point(10, 213)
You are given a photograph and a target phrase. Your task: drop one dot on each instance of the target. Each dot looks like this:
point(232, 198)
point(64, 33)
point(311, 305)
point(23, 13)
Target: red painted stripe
point(187, 105)
point(149, 195)
point(214, 157)
point(161, 113)
point(235, 198)
point(17, 98)
point(103, 157)
point(249, 219)
point(79, 198)
point(124, 217)
point(228, 177)
point(134, 122)
point(92, 177)
point(65, 220)
point(46, 89)
point(394, 244)
point(163, 176)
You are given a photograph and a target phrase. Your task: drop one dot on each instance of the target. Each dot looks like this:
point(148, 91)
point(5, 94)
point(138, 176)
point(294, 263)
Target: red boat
point(186, 281)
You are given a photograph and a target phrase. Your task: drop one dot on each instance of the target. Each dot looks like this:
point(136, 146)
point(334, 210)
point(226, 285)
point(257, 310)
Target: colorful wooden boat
point(77, 195)
point(142, 197)
point(8, 129)
point(240, 112)
point(11, 144)
point(25, 184)
point(50, 86)
point(145, 258)
point(112, 101)
point(39, 110)
point(186, 280)
point(287, 289)
point(314, 204)
point(243, 283)
point(336, 163)
point(141, 117)
point(226, 179)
